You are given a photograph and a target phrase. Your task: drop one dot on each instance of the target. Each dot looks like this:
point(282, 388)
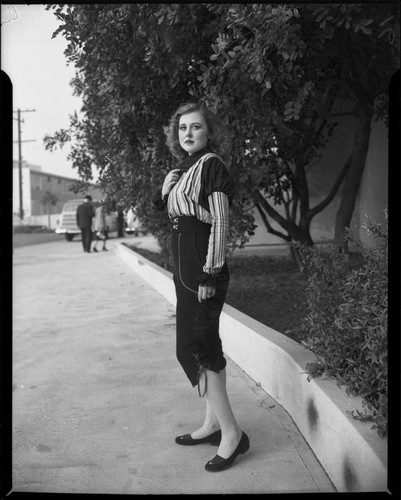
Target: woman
point(100, 226)
point(197, 196)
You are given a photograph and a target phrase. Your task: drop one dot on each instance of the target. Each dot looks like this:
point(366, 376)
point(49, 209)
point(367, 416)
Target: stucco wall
point(373, 194)
point(26, 191)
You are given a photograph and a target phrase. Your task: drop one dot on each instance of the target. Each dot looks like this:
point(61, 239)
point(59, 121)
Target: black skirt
point(198, 344)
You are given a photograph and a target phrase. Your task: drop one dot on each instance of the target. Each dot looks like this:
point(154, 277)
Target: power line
point(20, 141)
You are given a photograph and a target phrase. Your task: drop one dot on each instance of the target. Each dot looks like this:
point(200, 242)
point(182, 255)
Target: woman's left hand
point(206, 292)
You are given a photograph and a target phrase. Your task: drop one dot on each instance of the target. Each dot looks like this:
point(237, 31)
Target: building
point(36, 185)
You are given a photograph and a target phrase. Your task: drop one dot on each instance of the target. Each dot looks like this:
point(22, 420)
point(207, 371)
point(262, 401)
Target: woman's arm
point(215, 258)
point(219, 209)
point(160, 199)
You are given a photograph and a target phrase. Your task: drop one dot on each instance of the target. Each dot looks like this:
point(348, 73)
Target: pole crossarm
point(23, 111)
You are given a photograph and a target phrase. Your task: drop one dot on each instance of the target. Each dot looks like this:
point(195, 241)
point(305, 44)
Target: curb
point(352, 454)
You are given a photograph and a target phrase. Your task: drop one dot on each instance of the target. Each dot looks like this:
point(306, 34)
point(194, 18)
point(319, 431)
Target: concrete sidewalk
point(98, 395)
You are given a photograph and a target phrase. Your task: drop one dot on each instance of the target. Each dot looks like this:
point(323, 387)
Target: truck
point(67, 224)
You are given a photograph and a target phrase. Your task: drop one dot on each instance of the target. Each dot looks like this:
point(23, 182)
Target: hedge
point(346, 321)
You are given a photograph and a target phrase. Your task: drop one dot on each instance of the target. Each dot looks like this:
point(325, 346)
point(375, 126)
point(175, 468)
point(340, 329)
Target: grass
point(268, 289)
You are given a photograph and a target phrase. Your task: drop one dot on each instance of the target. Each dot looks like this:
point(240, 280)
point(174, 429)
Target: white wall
point(373, 195)
point(26, 191)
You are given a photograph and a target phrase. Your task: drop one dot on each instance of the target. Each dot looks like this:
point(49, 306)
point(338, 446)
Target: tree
point(134, 63)
point(271, 72)
point(367, 39)
point(49, 199)
point(277, 108)
point(277, 72)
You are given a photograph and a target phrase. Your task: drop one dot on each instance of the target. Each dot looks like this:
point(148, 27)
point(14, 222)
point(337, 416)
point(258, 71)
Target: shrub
point(346, 323)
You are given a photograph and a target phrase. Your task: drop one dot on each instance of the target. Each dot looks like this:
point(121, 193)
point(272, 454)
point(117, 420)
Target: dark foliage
point(346, 324)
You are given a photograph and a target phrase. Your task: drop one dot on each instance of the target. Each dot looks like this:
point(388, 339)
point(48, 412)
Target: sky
point(40, 76)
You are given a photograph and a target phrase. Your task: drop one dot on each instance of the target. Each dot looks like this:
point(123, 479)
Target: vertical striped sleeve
point(219, 209)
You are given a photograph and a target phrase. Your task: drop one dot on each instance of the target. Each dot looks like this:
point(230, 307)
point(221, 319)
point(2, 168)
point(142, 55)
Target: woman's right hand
point(170, 181)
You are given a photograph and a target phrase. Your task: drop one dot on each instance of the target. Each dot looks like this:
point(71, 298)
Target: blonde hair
point(219, 140)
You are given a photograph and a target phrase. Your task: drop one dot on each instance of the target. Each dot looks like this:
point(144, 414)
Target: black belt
point(189, 225)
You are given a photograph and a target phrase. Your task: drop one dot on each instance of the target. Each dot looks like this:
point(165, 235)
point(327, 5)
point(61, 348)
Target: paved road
point(98, 395)
point(23, 239)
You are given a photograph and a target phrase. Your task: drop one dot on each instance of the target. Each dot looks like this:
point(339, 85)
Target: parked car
point(67, 224)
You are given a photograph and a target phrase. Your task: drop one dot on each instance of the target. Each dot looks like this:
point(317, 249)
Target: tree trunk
point(363, 114)
point(48, 215)
point(297, 234)
point(303, 238)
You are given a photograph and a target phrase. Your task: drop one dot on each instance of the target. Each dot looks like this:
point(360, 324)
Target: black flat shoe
point(187, 440)
point(219, 463)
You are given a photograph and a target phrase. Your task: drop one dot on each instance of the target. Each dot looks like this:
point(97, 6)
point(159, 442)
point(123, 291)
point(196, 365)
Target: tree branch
point(294, 192)
point(261, 200)
point(270, 229)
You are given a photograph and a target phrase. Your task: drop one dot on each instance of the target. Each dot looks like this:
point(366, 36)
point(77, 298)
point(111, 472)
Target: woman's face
point(193, 132)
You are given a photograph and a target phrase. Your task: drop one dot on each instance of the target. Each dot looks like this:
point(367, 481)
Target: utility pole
point(19, 111)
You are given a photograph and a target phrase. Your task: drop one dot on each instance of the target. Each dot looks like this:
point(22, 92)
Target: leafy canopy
point(273, 71)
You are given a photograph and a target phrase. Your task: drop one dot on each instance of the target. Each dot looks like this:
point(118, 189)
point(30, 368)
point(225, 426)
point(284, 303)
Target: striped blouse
point(205, 191)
